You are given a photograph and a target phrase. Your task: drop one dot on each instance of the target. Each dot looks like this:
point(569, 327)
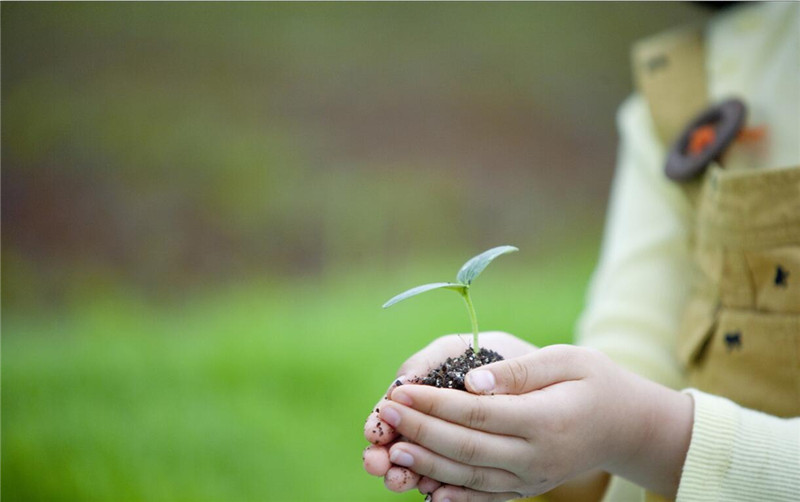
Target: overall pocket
point(776, 278)
point(752, 358)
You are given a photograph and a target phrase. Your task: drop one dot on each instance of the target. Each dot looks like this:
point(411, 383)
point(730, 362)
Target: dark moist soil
point(450, 374)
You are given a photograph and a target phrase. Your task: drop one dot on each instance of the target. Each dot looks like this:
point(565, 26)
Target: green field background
point(204, 206)
point(257, 393)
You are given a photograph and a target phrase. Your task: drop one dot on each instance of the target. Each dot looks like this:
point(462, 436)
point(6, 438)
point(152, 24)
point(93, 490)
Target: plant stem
point(473, 318)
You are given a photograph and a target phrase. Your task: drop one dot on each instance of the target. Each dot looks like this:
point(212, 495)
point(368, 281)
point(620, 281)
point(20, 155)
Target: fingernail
point(396, 383)
point(390, 416)
point(402, 397)
point(481, 380)
point(445, 500)
point(399, 457)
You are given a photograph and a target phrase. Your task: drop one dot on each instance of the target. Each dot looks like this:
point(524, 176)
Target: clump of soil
point(451, 373)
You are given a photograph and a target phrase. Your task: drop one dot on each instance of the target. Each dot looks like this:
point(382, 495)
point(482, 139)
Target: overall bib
point(740, 335)
point(741, 332)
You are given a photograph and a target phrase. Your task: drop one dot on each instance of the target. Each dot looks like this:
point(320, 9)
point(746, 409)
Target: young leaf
point(475, 265)
point(421, 289)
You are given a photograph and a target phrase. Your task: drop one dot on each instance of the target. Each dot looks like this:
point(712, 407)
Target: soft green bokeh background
point(204, 206)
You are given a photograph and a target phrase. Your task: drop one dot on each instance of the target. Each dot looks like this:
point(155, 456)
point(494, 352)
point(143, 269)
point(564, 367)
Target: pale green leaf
point(475, 265)
point(421, 289)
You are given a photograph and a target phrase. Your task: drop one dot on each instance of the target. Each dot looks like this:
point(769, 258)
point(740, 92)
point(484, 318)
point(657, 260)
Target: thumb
point(534, 371)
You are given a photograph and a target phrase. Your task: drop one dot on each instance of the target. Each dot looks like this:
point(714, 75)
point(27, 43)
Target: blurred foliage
point(170, 145)
point(204, 205)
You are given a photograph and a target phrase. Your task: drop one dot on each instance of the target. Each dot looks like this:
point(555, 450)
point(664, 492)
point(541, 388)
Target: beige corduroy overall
point(740, 336)
point(741, 332)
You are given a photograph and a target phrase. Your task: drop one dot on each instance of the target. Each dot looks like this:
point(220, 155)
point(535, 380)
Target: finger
point(445, 470)
point(400, 479)
point(534, 371)
point(376, 460)
point(484, 413)
point(461, 494)
point(432, 355)
point(376, 431)
point(452, 440)
point(426, 485)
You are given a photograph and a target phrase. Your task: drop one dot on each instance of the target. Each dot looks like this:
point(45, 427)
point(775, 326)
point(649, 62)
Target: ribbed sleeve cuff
point(738, 454)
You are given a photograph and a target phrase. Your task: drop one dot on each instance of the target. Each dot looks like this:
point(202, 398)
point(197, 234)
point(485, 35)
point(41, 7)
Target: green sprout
point(469, 271)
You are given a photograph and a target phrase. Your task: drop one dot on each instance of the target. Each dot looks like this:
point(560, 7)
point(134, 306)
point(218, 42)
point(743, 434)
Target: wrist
point(656, 434)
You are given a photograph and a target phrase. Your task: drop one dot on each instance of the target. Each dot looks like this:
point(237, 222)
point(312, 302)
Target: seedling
point(469, 271)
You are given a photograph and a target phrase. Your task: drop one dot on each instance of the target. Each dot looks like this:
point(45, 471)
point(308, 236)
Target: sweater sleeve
point(737, 454)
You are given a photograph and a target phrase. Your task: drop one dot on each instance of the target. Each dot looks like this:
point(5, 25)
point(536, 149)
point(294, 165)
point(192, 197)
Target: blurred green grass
point(257, 392)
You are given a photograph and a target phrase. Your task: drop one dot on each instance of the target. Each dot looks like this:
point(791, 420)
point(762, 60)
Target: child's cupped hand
point(383, 436)
point(539, 420)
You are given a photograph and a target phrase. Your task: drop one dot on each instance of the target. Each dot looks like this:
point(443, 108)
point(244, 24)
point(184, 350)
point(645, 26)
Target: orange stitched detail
point(752, 134)
point(700, 139)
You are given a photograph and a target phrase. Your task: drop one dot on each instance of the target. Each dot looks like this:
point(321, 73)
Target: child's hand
point(382, 435)
point(575, 411)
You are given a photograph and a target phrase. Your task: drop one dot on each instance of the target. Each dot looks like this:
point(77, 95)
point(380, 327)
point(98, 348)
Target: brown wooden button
point(704, 140)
